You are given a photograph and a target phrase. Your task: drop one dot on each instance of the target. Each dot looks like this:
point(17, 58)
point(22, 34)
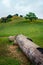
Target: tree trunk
point(30, 49)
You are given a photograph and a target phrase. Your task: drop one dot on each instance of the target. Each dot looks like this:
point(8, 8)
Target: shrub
point(16, 15)
point(21, 15)
point(3, 20)
point(9, 16)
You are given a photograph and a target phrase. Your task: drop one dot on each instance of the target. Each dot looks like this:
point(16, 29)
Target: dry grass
point(18, 54)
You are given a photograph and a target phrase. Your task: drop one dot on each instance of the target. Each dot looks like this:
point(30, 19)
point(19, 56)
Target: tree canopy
point(9, 16)
point(31, 16)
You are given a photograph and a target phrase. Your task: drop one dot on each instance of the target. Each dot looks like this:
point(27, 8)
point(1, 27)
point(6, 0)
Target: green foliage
point(21, 15)
point(16, 15)
point(31, 16)
point(3, 20)
point(6, 19)
point(9, 16)
point(8, 61)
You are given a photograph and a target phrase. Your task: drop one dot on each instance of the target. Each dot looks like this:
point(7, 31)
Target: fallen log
point(31, 50)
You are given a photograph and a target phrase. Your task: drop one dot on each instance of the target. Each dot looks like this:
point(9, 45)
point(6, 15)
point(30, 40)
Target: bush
point(8, 20)
point(16, 15)
point(3, 20)
point(9, 16)
point(21, 15)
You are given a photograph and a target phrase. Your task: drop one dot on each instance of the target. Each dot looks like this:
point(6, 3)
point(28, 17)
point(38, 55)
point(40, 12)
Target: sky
point(22, 7)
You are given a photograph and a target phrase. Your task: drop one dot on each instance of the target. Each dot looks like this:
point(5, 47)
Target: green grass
point(5, 57)
point(33, 30)
point(5, 40)
point(8, 61)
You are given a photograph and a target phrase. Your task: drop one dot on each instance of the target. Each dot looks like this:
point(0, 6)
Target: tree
point(16, 15)
point(21, 15)
point(3, 20)
point(9, 16)
point(31, 16)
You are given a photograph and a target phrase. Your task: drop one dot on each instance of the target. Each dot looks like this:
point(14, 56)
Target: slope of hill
point(19, 25)
point(9, 54)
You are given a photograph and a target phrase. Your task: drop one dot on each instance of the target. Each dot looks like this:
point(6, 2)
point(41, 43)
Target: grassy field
point(33, 30)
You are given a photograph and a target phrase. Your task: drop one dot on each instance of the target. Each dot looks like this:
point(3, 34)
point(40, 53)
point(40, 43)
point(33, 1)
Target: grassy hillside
point(33, 30)
point(9, 55)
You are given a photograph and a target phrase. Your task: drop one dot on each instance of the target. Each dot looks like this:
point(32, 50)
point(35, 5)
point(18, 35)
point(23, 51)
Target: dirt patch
point(18, 54)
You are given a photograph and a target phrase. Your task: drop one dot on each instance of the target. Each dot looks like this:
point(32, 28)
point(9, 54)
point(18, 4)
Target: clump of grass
point(3, 50)
point(5, 40)
point(8, 61)
point(5, 58)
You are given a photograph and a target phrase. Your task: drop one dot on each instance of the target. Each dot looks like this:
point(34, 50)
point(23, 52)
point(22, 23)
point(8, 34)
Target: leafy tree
point(6, 19)
point(31, 16)
point(9, 16)
point(21, 15)
point(16, 15)
point(3, 20)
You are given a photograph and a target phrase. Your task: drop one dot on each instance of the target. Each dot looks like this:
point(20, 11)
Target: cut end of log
point(11, 38)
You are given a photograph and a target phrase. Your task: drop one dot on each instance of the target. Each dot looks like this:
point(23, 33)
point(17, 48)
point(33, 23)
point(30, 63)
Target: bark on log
point(30, 49)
